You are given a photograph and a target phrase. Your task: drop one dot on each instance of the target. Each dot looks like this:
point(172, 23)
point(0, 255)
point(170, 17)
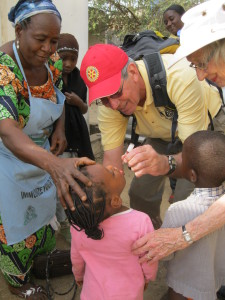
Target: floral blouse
point(14, 98)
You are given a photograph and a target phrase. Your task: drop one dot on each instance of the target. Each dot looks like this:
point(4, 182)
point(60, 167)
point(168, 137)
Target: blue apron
point(27, 193)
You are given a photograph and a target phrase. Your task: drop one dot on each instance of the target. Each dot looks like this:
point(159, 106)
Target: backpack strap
point(174, 127)
point(222, 98)
point(134, 135)
point(157, 78)
point(218, 88)
point(211, 121)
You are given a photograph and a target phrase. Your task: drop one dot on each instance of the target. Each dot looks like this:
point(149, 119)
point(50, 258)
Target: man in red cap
point(123, 87)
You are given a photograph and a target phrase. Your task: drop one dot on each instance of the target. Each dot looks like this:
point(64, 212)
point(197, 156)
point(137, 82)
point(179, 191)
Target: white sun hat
point(203, 24)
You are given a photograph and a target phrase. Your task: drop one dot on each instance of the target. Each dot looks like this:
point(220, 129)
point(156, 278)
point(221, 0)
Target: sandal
point(29, 291)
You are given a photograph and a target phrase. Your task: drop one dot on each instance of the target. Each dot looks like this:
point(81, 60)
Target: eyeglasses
point(105, 100)
point(200, 66)
point(203, 66)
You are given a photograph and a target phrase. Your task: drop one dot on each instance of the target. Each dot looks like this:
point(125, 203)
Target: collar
point(210, 192)
point(122, 213)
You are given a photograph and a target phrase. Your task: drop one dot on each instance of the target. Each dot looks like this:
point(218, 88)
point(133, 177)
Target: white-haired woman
point(203, 43)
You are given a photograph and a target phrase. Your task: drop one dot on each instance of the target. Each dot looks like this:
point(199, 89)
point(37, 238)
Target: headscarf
point(25, 9)
point(67, 42)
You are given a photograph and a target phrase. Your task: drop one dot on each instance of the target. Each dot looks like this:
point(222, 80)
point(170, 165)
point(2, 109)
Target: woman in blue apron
point(31, 109)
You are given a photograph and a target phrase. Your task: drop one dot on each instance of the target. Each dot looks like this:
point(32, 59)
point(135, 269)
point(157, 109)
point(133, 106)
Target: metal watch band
point(186, 235)
point(172, 164)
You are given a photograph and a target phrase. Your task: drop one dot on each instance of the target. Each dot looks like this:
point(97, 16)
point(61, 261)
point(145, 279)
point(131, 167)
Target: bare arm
point(211, 220)
point(165, 241)
point(113, 157)
point(63, 171)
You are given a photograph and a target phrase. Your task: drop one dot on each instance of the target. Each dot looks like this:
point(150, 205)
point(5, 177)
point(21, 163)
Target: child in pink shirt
point(101, 252)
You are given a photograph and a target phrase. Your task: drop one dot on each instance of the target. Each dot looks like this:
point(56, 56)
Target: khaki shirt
point(192, 98)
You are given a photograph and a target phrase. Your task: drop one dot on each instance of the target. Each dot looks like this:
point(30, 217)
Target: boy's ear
point(193, 177)
point(116, 201)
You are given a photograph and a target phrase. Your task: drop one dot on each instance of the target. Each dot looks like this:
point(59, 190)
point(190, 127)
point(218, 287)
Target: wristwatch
point(172, 164)
point(186, 235)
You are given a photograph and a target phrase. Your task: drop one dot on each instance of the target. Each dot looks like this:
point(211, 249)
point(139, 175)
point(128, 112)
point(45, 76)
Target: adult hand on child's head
point(159, 244)
point(145, 160)
point(64, 172)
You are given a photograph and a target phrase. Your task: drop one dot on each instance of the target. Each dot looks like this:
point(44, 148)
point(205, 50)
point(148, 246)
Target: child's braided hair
point(87, 214)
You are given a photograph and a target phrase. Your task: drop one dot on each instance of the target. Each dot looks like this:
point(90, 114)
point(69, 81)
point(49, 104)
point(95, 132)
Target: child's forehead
point(68, 54)
point(94, 170)
point(98, 174)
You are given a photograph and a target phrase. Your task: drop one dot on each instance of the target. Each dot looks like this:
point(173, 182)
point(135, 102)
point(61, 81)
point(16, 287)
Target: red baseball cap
point(101, 70)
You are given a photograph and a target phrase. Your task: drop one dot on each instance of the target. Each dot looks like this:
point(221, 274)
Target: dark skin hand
point(64, 171)
point(63, 175)
point(74, 99)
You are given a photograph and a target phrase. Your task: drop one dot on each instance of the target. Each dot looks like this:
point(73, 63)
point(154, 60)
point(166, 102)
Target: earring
point(17, 44)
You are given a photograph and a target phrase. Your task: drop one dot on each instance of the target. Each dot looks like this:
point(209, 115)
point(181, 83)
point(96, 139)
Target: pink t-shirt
point(107, 267)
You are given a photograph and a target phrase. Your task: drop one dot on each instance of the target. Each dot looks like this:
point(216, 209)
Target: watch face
point(173, 160)
point(187, 237)
point(172, 164)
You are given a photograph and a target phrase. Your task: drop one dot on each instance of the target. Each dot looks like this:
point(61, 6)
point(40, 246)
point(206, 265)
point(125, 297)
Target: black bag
point(143, 43)
point(148, 45)
point(54, 264)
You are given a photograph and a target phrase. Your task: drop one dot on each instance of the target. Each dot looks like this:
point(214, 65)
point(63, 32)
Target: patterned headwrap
point(25, 9)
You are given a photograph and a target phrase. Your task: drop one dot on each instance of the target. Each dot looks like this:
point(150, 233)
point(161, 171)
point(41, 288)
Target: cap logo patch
point(92, 73)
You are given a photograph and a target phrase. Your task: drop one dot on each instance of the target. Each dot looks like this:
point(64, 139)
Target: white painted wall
point(75, 21)
point(7, 31)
